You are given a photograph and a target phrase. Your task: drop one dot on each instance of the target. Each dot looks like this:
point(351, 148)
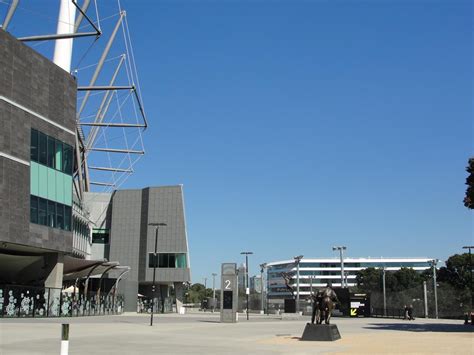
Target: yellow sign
point(354, 312)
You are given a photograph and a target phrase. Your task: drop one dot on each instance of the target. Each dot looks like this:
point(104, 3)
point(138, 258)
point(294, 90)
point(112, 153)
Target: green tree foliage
point(197, 293)
point(456, 272)
point(469, 198)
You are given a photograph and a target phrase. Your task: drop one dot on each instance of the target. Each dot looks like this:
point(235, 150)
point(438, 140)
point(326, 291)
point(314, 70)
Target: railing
point(27, 301)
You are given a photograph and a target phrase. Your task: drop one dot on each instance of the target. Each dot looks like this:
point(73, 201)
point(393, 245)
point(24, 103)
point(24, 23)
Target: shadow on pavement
point(423, 327)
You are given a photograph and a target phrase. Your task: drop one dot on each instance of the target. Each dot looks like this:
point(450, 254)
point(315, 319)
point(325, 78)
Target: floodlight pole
point(262, 288)
point(341, 255)
point(297, 262)
point(213, 291)
point(155, 261)
point(384, 293)
point(247, 289)
point(435, 286)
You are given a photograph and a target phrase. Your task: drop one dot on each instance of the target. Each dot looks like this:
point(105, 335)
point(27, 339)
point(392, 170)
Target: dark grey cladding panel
point(33, 81)
point(132, 239)
point(165, 204)
point(14, 202)
point(125, 231)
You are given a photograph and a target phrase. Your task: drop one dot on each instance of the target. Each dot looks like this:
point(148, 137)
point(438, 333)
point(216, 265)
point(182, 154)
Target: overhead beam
point(101, 183)
point(111, 169)
point(104, 88)
point(112, 150)
point(56, 36)
point(97, 124)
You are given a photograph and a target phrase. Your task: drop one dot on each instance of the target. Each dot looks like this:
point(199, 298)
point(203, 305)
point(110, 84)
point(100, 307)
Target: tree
point(469, 198)
point(369, 280)
point(457, 272)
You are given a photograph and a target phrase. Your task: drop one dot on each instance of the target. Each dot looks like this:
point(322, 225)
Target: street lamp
point(155, 262)
point(213, 291)
point(262, 289)
point(435, 286)
point(297, 262)
point(341, 251)
point(470, 270)
point(247, 289)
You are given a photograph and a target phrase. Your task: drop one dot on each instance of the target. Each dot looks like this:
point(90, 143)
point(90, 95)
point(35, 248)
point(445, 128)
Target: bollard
point(64, 339)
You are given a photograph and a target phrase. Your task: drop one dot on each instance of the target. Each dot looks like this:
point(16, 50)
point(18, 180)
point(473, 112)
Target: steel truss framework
point(89, 132)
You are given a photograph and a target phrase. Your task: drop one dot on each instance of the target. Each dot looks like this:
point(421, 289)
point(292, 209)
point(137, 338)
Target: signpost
point(229, 293)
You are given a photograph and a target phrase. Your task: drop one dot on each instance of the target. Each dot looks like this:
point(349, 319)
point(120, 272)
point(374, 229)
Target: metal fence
point(447, 303)
point(27, 301)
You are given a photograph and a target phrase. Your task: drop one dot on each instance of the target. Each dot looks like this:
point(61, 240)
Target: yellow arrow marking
point(353, 312)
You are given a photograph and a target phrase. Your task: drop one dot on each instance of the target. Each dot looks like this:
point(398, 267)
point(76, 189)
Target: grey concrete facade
point(34, 93)
point(127, 213)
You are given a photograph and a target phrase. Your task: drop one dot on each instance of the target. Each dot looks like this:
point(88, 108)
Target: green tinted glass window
point(58, 156)
point(60, 216)
point(33, 209)
point(51, 214)
point(181, 261)
point(67, 218)
point(67, 159)
point(43, 148)
point(51, 152)
point(42, 212)
point(34, 145)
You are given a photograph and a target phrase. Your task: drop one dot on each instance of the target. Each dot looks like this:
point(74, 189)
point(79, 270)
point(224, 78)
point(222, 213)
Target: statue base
point(320, 332)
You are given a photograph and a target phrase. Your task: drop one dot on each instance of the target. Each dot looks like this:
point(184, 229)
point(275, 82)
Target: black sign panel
point(227, 300)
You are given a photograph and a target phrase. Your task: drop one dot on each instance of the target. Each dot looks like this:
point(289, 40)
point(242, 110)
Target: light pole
point(155, 262)
point(247, 289)
point(205, 285)
point(297, 262)
point(262, 289)
point(470, 270)
point(213, 291)
point(384, 294)
point(341, 252)
point(435, 286)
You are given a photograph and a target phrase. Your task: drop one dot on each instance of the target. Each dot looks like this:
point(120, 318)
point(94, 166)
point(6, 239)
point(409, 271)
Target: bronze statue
point(323, 304)
point(287, 277)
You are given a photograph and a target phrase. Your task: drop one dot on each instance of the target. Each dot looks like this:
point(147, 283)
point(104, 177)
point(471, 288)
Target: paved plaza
point(202, 333)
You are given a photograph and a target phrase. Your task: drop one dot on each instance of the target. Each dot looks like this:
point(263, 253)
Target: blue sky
point(298, 125)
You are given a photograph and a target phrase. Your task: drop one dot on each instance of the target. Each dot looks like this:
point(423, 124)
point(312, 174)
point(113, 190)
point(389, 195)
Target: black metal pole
point(153, 287)
point(470, 269)
point(247, 290)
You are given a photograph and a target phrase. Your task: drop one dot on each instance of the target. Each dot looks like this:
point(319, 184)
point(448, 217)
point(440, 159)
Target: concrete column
point(54, 266)
point(179, 292)
point(129, 289)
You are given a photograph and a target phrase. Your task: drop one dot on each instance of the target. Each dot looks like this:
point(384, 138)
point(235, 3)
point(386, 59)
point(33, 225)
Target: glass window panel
point(51, 151)
point(152, 260)
point(42, 217)
point(33, 209)
point(181, 261)
point(67, 218)
point(60, 216)
point(171, 260)
point(163, 260)
point(51, 214)
point(67, 159)
point(43, 149)
point(59, 155)
point(34, 145)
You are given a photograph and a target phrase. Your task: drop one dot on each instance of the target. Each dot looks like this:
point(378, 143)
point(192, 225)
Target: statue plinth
point(321, 332)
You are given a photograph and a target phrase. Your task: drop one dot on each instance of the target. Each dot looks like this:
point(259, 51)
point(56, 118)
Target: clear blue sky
point(298, 125)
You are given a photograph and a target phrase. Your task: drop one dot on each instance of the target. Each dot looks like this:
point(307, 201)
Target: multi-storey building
point(316, 273)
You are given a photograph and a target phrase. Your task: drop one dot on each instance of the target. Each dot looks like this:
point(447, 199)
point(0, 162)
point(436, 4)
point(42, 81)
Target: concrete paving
point(203, 334)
